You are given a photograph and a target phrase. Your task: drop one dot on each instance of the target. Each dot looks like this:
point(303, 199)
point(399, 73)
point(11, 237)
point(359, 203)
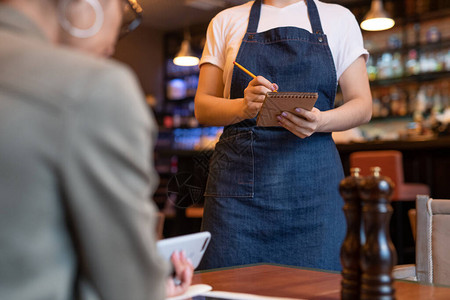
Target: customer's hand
point(183, 275)
point(254, 95)
point(304, 123)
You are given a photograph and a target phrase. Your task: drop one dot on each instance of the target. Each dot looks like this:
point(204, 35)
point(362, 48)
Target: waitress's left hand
point(303, 124)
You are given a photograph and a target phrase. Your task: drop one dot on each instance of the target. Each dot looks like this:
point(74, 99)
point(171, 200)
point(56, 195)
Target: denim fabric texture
point(271, 196)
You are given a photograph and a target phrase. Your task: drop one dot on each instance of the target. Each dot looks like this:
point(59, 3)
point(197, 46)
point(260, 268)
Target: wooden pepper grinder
point(350, 249)
point(378, 255)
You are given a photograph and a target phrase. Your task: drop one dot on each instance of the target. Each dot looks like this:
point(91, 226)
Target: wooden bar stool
point(403, 197)
point(391, 164)
point(194, 212)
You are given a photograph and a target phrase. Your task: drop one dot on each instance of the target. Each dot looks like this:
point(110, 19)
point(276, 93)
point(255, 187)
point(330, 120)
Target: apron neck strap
point(314, 18)
point(253, 19)
point(313, 14)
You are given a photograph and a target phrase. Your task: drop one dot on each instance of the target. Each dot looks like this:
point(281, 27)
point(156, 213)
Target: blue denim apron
point(271, 196)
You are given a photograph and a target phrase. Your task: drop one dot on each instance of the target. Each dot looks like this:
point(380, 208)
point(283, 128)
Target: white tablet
point(194, 245)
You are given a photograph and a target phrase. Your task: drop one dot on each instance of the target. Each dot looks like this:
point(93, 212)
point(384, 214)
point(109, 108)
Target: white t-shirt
point(227, 28)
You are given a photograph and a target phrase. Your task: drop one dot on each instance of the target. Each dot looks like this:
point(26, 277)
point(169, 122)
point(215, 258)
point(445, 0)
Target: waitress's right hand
point(254, 95)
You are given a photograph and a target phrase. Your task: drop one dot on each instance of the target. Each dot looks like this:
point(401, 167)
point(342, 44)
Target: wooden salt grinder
point(378, 255)
point(350, 249)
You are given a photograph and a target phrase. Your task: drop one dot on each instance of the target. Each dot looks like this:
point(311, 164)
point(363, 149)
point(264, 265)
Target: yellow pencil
point(246, 71)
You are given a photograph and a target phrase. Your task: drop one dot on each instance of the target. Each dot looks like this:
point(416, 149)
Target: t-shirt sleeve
point(350, 45)
point(214, 50)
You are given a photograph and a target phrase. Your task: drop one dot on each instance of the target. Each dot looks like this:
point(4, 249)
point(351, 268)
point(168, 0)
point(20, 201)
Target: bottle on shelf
point(394, 99)
point(372, 69)
point(385, 105)
point(376, 104)
point(384, 66)
point(397, 65)
point(427, 63)
point(403, 104)
point(412, 63)
point(447, 60)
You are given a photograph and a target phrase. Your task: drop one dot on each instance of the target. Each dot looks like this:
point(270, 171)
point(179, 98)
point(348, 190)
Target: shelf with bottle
point(408, 99)
point(412, 64)
point(411, 99)
point(395, 44)
point(417, 48)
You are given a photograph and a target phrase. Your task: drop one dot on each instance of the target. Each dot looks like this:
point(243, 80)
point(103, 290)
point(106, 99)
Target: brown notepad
point(275, 103)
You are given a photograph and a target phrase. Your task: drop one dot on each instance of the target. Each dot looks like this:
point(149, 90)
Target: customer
point(76, 170)
point(272, 193)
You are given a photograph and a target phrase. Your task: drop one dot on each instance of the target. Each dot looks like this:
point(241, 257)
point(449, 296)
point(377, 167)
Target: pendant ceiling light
point(377, 19)
point(186, 57)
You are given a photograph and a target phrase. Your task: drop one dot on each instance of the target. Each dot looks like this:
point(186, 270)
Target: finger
point(297, 120)
point(176, 262)
point(185, 262)
point(275, 87)
point(186, 279)
point(259, 80)
point(175, 257)
point(310, 116)
point(305, 114)
point(173, 289)
point(292, 126)
point(292, 129)
point(180, 284)
point(184, 283)
point(303, 125)
point(189, 263)
point(257, 90)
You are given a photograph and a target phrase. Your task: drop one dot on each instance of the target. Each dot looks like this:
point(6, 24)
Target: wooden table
point(293, 282)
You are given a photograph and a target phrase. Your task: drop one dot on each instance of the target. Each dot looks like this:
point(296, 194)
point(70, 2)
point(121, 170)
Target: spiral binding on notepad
point(291, 95)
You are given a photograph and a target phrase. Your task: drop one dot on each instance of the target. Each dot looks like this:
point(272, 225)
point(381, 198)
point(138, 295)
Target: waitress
point(272, 192)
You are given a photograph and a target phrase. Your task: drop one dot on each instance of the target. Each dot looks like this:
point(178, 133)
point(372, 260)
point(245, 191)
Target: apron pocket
point(231, 170)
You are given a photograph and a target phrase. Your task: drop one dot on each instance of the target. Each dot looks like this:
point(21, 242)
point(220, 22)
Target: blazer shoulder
point(55, 75)
point(88, 76)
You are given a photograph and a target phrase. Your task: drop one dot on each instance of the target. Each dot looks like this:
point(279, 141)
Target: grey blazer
point(76, 174)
